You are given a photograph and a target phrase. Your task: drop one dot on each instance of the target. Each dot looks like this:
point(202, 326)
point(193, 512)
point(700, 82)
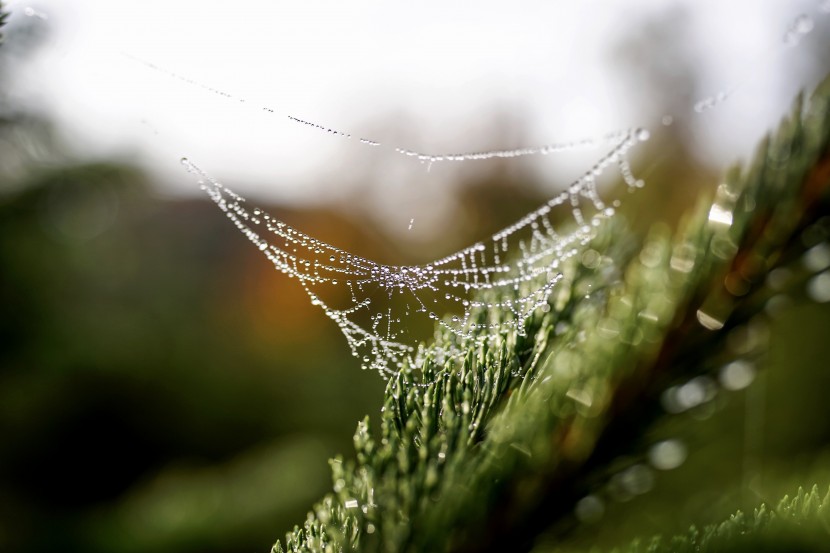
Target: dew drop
point(777, 304)
point(818, 287)
point(637, 479)
point(667, 455)
point(561, 328)
point(668, 399)
point(589, 509)
point(804, 24)
point(737, 375)
point(817, 258)
point(29, 11)
point(591, 259)
point(694, 392)
point(777, 278)
point(708, 321)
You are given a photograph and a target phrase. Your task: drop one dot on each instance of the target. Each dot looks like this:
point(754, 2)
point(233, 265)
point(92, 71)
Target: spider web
point(385, 311)
point(493, 285)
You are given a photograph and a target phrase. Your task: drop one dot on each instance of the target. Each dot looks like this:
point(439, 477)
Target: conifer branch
point(487, 455)
point(798, 524)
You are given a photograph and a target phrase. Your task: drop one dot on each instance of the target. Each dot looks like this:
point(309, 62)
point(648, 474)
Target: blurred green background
point(162, 388)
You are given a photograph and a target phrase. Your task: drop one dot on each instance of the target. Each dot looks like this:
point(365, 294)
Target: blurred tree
point(143, 382)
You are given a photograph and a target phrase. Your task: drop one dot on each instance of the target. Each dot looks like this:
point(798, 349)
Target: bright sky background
point(426, 75)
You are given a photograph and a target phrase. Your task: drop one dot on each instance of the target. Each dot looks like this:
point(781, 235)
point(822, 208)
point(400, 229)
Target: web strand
point(427, 158)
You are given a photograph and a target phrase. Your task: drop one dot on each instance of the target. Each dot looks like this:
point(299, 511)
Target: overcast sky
point(432, 76)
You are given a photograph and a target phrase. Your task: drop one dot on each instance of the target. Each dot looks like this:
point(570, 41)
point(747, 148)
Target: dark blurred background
point(162, 388)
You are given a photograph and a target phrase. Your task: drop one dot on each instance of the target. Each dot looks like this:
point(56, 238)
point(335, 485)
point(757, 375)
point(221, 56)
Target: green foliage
point(123, 428)
point(798, 524)
point(488, 453)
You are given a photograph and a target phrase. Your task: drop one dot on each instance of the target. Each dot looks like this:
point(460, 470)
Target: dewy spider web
point(375, 305)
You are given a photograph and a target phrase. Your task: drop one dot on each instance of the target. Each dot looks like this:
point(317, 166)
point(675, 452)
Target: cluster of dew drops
point(518, 265)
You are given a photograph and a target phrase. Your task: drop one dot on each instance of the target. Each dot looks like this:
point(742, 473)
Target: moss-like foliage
point(486, 453)
point(798, 524)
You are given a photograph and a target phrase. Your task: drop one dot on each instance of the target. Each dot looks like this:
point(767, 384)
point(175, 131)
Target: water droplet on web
point(710, 102)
